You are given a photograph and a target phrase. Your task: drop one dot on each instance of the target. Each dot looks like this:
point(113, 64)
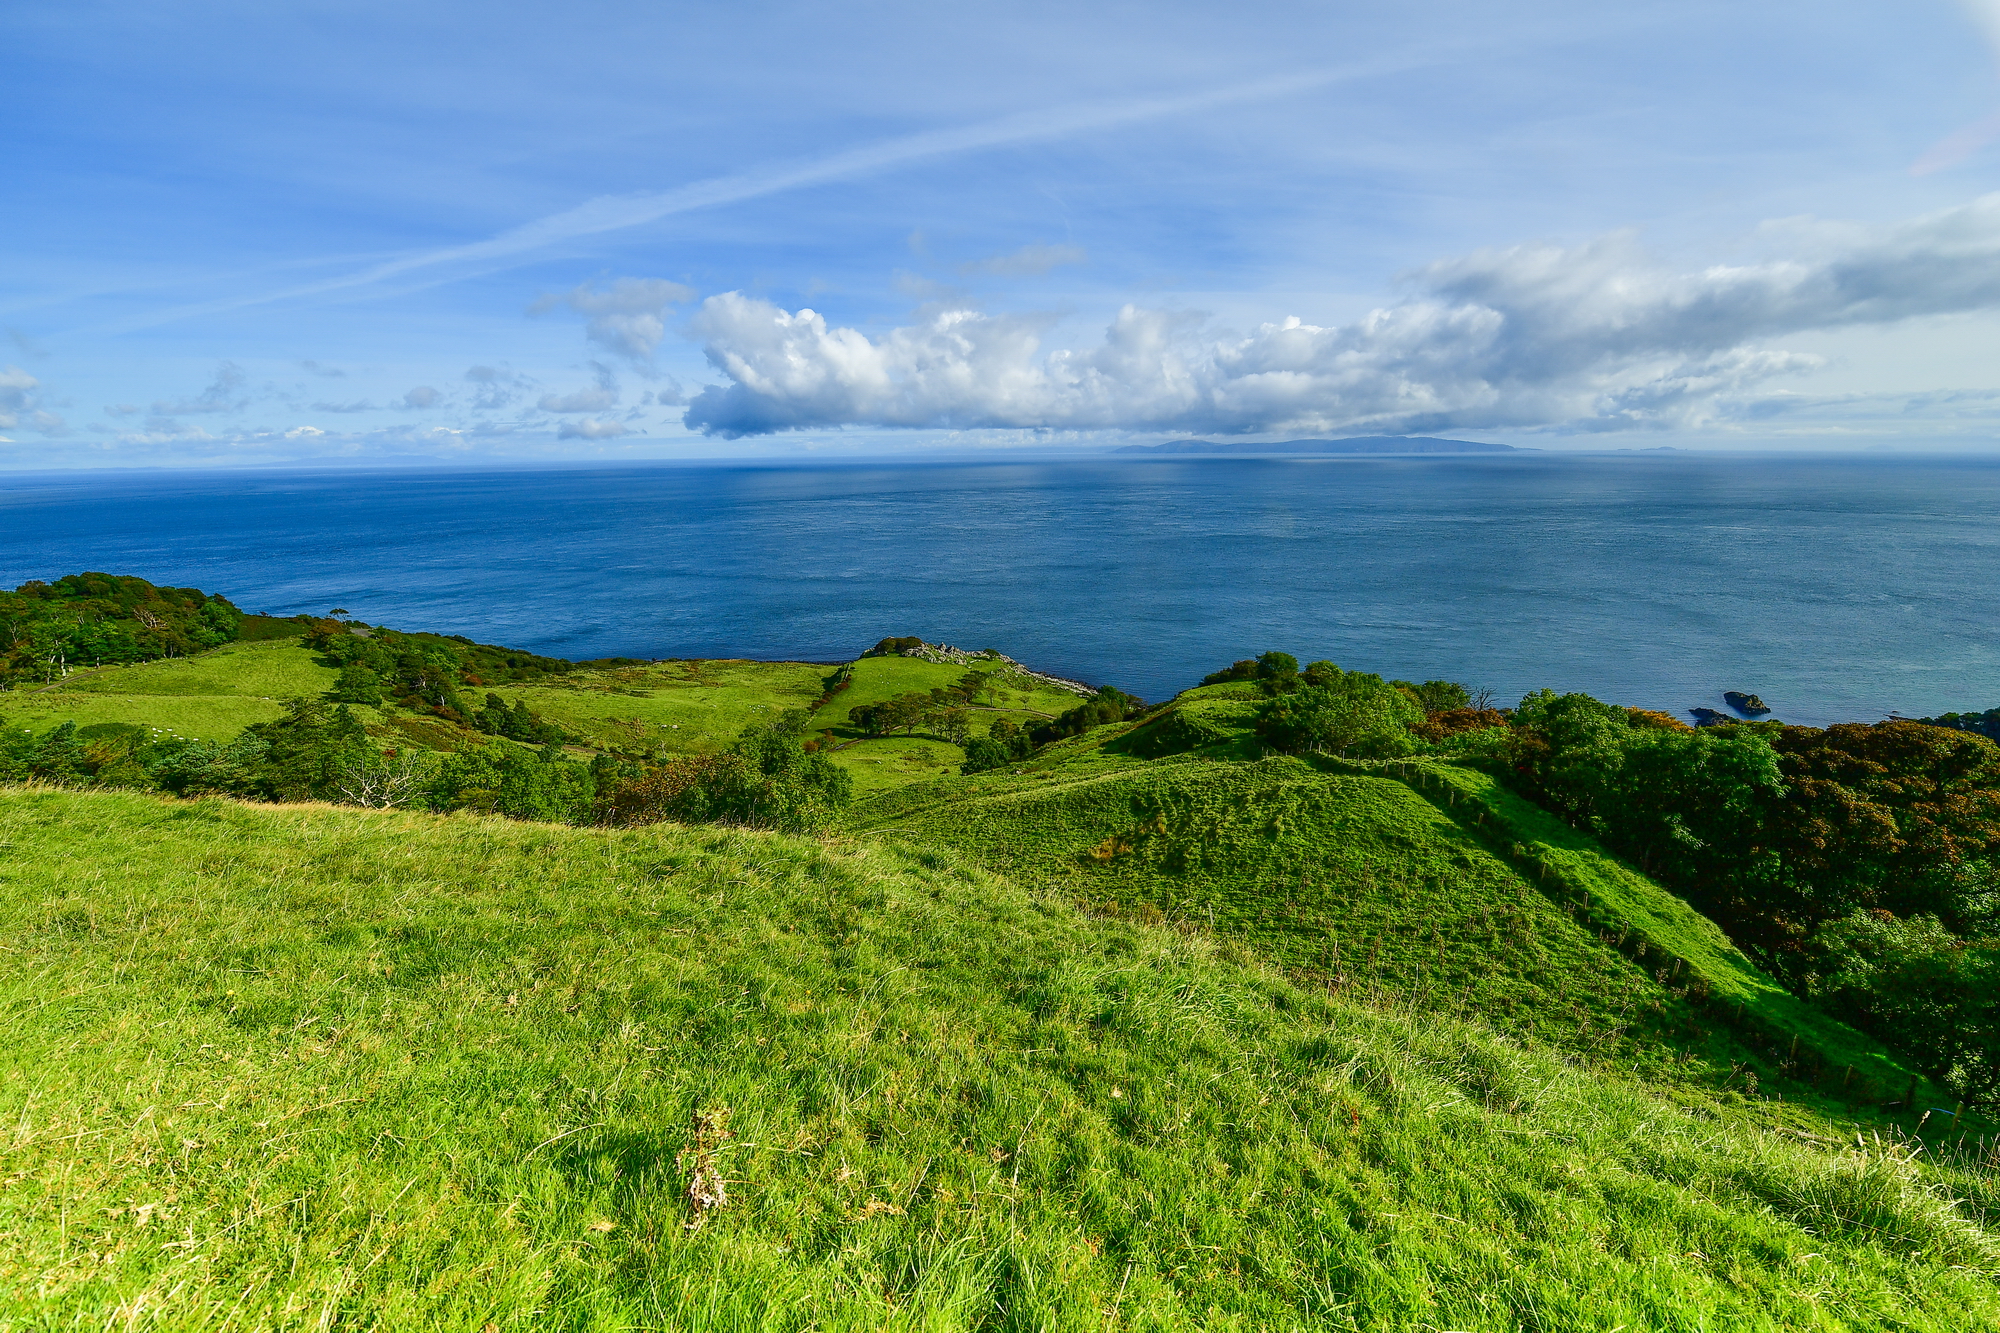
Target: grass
point(272, 670)
point(890, 762)
point(1349, 880)
point(210, 697)
point(680, 707)
point(287, 1066)
point(215, 718)
point(1010, 694)
point(1573, 866)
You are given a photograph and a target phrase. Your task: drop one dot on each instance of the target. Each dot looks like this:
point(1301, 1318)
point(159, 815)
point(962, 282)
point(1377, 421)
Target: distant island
point(1359, 444)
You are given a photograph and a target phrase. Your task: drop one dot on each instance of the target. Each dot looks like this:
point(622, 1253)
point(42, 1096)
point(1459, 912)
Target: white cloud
point(356, 406)
point(628, 317)
point(1592, 337)
point(224, 394)
point(421, 397)
point(602, 395)
point(20, 404)
point(591, 428)
point(1030, 261)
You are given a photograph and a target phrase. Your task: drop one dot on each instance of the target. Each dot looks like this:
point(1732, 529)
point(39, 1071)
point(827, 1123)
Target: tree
point(1919, 986)
point(1358, 714)
point(356, 684)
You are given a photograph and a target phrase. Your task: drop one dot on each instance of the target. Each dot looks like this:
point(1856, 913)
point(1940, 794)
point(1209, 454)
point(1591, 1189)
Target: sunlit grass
point(306, 1066)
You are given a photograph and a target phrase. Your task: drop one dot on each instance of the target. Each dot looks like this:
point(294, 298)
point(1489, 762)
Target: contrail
point(617, 212)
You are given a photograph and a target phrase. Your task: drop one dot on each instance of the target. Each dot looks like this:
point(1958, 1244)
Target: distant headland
point(1360, 444)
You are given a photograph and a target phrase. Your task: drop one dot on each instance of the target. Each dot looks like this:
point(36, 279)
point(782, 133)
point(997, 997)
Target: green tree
point(1359, 714)
point(356, 684)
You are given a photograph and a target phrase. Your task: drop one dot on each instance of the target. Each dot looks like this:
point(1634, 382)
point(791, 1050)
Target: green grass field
point(210, 697)
point(297, 1066)
point(693, 707)
point(1011, 694)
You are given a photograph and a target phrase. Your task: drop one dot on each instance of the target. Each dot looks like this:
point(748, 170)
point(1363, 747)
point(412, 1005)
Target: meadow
point(1154, 1028)
point(308, 1066)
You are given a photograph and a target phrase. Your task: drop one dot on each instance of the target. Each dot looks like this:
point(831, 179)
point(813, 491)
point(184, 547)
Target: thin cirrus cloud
point(1030, 261)
point(1591, 337)
point(610, 213)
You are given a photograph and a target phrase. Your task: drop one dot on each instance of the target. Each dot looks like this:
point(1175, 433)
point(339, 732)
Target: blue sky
point(256, 233)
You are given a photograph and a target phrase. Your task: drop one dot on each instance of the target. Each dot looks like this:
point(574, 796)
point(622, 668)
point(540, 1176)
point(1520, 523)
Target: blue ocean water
point(1843, 587)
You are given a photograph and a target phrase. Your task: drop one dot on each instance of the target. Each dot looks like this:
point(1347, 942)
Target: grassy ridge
point(1574, 867)
point(281, 1066)
point(1355, 880)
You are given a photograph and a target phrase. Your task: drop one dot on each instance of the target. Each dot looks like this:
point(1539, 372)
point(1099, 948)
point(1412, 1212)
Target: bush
point(768, 779)
point(1107, 705)
point(1920, 987)
point(1357, 713)
point(1005, 744)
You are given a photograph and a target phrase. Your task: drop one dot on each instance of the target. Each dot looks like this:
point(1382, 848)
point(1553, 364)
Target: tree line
point(771, 777)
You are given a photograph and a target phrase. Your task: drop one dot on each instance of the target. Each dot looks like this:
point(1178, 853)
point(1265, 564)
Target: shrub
point(1358, 714)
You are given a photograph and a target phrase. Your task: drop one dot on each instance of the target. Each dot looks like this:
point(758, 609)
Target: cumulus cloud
point(224, 394)
point(602, 395)
point(1030, 261)
point(421, 397)
point(21, 405)
point(627, 318)
point(1590, 337)
point(590, 428)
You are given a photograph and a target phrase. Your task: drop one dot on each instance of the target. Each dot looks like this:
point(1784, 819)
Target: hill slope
point(279, 1066)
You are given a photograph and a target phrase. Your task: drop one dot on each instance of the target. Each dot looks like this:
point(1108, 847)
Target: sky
point(439, 232)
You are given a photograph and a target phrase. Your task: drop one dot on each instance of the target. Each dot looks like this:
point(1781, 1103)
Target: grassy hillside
point(1354, 880)
point(290, 1065)
point(1612, 896)
point(212, 696)
point(884, 763)
point(681, 707)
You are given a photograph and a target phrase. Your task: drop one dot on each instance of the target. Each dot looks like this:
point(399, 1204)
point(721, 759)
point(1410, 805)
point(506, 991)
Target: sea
point(1836, 587)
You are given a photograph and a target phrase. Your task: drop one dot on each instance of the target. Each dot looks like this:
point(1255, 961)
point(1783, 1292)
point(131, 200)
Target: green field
point(693, 707)
point(1010, 695)
point(210, 697)
point(299, 1066)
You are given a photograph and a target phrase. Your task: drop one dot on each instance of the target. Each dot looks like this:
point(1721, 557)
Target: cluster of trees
point(940, 711)
point(318, 751)
point(1321, 709)
point(772, 777)
point(1859, 862)
point(890, 647)
point(1107, 705)
point(423, 672)
point(50, 629)
point(1986, 724)
point(1005, 744)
